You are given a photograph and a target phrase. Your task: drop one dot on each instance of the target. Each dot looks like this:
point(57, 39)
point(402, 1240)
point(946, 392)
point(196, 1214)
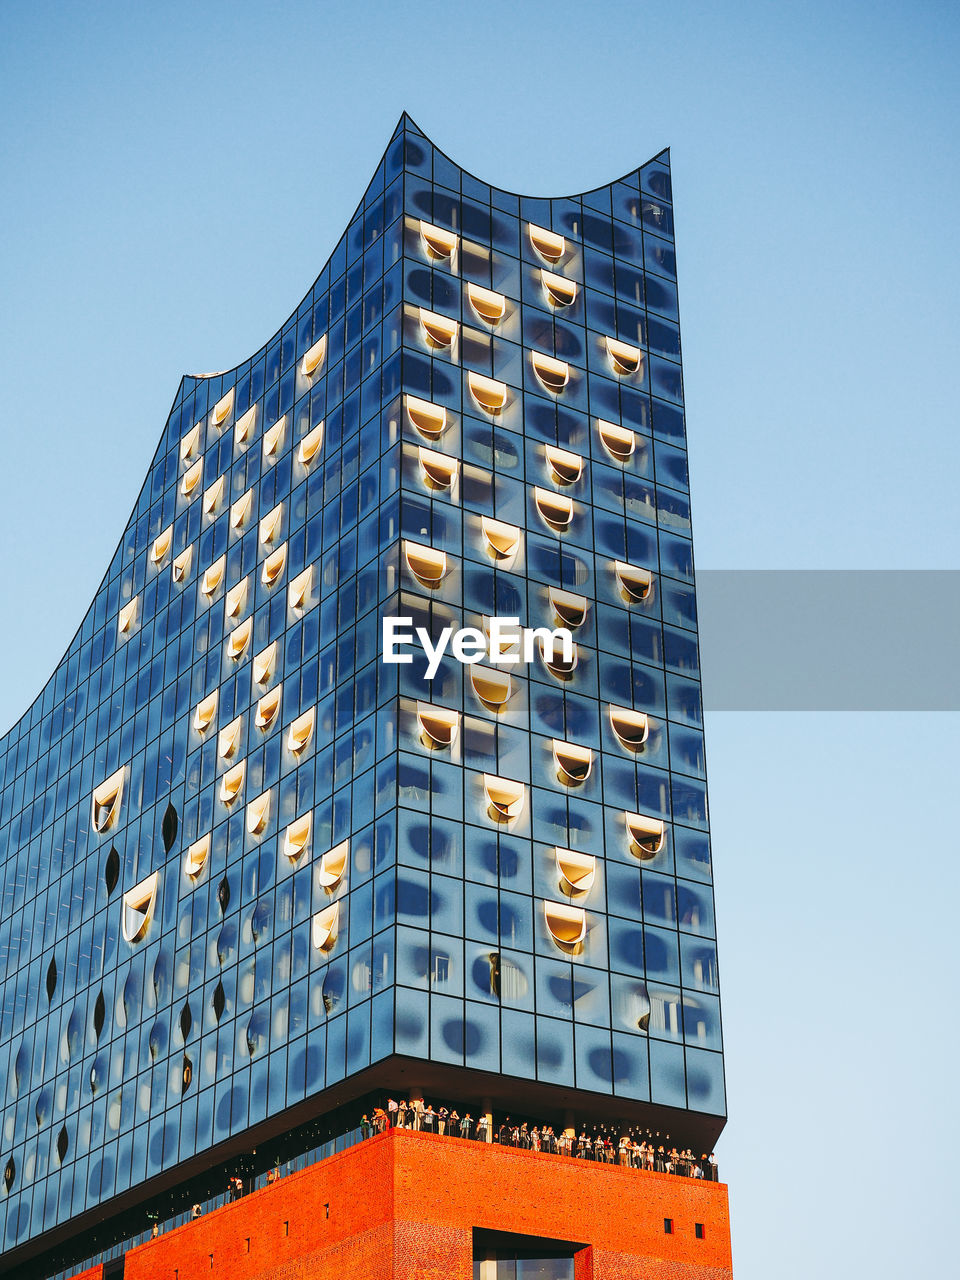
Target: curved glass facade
point(242, 859)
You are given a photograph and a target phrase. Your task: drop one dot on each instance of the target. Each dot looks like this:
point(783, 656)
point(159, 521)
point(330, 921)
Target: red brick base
point(403, 1205)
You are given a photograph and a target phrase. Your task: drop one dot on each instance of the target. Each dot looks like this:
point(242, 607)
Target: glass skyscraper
point(255, 879)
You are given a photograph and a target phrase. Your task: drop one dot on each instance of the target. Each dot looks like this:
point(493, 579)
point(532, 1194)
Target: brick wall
point(403, 1205)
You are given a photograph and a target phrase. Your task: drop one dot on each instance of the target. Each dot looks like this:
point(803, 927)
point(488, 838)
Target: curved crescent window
point(213, 576)
point(228, 739)
point(240, 511)
point(439, 469)
point(244, 428)
point(488, 304)
point(205, 712)
point(619, 442)
point(439, 331)
point(231, 784)
point(127, 617)
point(301, 731)
point(574, 763)
point(212, 496)
point(270, 525)
point(631, 727)
point(324, 926)
point(568, 608)
point(438, 242)
point(438, 725)
point(106, 801)
point(161, 545)
point(299, 589)
point(191, 478)
point(238, 639)
point(565, 467)
point(297, 837)
point(502, 539)
point(427, 564)
point(553, 374)
point(258, 814)
point(332, 865)
point(427, 418)
point(550, 246)
point(567, 924)
point(181, 564)
point(189, 443)
point(111, 871)
point(577, 871)
point(488, 392)
point(492, 686)
point(559, 290)
point(138, 907)
point(264, 663)
point(505, 798)
point(310, 445)
point(624, 358)
point(273, 437)
point(313, 359)
point(556, 663)
point(273, 565)
point(646, 834)
point(267, 708)
point(635, 583)
point(222, 409)
point(556, 509)
point(196, 856)
point(235, 599)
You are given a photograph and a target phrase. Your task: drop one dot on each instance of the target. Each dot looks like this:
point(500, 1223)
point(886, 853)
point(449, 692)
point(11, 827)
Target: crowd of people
point(603, 1144)
point(607, 1144)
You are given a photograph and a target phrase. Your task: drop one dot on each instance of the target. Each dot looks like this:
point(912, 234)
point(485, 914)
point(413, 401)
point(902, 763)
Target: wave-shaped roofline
point(404, 124)
point(527, 195)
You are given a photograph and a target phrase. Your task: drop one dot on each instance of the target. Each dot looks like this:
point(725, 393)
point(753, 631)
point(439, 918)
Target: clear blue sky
point(174, 175)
